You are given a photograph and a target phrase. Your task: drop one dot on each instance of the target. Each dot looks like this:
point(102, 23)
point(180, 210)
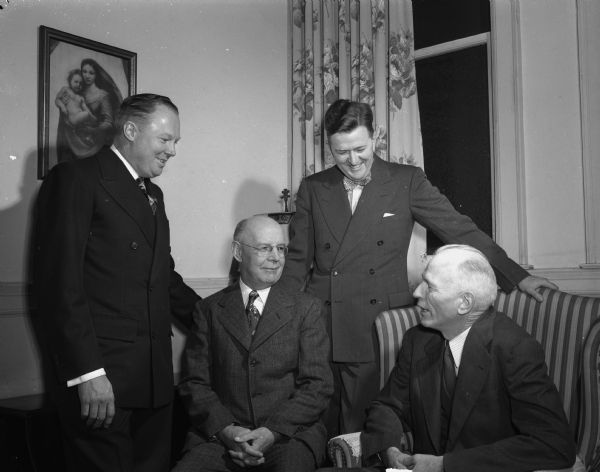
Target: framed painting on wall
point(81, 85)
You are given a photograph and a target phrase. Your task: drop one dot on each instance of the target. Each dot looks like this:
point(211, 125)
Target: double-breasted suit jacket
point(356, 262)
point(506, 411)
point(279, 378)
point(105, 279)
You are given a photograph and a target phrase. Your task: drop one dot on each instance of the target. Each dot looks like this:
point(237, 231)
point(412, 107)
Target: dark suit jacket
point(105, 280)
point(357, 263)
point(279, 379)
point(506, 413)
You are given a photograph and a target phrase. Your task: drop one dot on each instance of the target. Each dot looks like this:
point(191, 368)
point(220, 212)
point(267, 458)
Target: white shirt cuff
point(86, 377)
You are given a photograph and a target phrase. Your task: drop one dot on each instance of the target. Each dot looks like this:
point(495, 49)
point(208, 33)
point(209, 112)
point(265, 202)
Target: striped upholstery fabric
point(391, 326)
point(561, 324)
point(589, 414)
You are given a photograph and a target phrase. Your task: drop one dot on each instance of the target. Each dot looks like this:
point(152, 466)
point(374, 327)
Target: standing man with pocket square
point(348, 245)
point(106, 292)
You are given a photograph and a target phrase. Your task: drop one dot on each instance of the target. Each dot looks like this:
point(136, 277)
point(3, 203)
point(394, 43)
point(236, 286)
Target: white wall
point(552, 133)
point(223, 62)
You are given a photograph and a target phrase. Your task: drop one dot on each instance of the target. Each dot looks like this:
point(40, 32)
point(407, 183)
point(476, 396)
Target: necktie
point(449, 371)
point(350, 184)
point(252, 312)
point(151, 199)
point(447, 392)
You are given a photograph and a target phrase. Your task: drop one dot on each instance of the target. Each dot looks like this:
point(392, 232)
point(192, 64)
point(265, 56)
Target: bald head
point(259, 247)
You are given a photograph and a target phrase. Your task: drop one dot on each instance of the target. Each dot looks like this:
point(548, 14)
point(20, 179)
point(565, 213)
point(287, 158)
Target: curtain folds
point(361, 50)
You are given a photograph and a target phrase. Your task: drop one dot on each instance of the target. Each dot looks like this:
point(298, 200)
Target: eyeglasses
point(266, 249)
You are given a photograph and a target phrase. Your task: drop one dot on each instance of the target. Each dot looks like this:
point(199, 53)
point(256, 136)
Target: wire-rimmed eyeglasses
point(265, 249)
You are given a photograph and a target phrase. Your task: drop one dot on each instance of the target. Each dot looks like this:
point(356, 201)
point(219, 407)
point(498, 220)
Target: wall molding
point(507, 129)
point(588, 39)
point(583, 280)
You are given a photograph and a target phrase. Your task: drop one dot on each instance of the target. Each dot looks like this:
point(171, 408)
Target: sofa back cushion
point(560, 324)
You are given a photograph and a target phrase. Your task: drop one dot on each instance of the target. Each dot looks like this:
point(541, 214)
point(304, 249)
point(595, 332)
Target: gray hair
point(475, 274)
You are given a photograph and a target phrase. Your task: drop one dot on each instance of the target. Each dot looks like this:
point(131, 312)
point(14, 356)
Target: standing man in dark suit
point(348, 244)
point(107, 288)
point(471, 385)
point(256, 380)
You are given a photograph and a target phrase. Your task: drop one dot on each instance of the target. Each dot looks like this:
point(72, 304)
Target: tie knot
point(253, 296)
point(350, 184)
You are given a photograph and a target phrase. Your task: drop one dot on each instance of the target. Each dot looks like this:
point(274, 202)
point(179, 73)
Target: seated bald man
point(257, 379)
point(470, 384)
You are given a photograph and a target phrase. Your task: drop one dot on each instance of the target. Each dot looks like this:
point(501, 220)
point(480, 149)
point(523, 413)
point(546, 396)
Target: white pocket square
point(385, 215)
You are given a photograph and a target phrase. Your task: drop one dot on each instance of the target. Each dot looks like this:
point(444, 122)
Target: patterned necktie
point(151, 199)
point(252, 312)
point(350, 184)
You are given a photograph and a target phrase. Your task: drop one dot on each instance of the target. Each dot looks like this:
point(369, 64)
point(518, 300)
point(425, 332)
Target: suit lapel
point(368, 210)
point(118, 182)
point(333, 201)
point(428, 370)
point(473, 372)
point(276, 314)
point(232, 315)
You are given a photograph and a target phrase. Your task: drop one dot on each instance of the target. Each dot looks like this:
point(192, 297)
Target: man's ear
point(465, 303)
point(236, 250)
point(130, 130)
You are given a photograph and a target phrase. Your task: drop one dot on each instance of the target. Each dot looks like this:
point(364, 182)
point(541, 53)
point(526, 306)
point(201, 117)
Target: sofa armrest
point(588, 436)
point(345, 450)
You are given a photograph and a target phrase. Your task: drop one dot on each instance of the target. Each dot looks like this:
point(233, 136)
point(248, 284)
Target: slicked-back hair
point(344, 116)
point(138, 107)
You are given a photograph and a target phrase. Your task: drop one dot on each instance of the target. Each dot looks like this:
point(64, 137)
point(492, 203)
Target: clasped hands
point(247, 447)
point(396, 459)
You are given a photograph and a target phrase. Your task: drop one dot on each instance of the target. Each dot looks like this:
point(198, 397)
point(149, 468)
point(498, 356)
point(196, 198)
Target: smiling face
point(152, 141)
point(89, 74)
point(439, 298)
point(258, 271)
point(353, 152)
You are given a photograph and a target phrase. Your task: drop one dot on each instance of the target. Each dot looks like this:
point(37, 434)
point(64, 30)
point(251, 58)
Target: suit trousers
point(284, 456)
point(355, 387)
point(138, 440)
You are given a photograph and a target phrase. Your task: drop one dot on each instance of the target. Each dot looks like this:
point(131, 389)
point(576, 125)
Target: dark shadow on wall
point(43, 447)
point(16, 224)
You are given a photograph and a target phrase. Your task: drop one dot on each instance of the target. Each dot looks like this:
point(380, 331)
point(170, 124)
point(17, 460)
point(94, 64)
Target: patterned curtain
point(361, 50)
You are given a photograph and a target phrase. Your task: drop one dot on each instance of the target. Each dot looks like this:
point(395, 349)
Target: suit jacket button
point(380, 243)
point(334, 273)
point(373, 301)
point(133, 245)
point(252, 362)
point(327, 246)
point(327, 303)
point(371, 271)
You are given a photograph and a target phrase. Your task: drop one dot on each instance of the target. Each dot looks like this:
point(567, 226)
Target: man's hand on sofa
point(531, 284)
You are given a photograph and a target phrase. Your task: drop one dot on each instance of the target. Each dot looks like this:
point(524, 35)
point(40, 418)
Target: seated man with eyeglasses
point(256, 374)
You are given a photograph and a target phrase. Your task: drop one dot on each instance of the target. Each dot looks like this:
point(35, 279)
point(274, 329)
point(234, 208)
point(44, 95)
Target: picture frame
point(81, 84)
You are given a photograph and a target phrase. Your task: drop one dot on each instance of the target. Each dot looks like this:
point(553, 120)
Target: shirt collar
point(262, 294)
point(457, 344)
point(131, 170)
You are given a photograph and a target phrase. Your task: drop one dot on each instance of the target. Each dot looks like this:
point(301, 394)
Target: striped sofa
point(568, 328)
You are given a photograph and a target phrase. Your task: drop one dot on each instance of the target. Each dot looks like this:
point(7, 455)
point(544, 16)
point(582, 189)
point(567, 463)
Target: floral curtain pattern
point(361, 50)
